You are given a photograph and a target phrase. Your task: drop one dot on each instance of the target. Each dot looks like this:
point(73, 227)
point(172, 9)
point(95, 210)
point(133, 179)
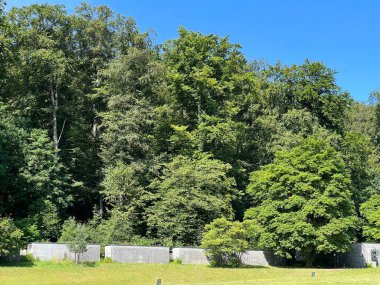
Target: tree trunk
point(54, 101)
point(95, 135)
point(309, 260)
point(55, 105)
point(95, 122)
point(199, 114)
point(100, 206)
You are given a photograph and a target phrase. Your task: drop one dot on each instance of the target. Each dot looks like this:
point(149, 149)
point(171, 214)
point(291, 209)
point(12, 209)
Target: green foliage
point(107, 260)
point(76, 235)
point(160, 140)
point(117, 229)
point(68, 229)
point(225, 242)
point(10, 238)
point(120, 186)
point(190, 194)
point(177, 261)
point(31, 232)
point(361, 119)
point(370, 210)
point(357, 152)
point(130, 91)
point(35, 182)
point(303, 201)
point(78, 242)
point(202, 72)
point(309, 86)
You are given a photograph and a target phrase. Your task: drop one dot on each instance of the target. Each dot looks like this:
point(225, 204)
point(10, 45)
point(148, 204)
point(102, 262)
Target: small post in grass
point(313, 274)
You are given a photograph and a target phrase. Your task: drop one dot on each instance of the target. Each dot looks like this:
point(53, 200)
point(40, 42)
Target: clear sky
point(343, 34)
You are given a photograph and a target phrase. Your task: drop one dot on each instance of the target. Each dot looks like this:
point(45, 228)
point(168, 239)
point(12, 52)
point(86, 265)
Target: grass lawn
point(65, 273)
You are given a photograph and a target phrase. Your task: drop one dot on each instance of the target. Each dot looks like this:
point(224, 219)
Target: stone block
point(137, 254)
point(360, 255)
point(60, 251)
point(261, 258)
point(190, 255)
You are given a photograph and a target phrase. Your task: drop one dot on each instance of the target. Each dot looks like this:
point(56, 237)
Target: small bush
point(225, 242)
point(10, 238)
point(28, 258)
point(177, 261)
point(107, 260)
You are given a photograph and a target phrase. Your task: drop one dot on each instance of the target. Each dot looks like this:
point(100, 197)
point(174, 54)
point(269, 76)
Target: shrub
point(107, 260)
point(225, 242)
point(10, 238)
point(177, 261)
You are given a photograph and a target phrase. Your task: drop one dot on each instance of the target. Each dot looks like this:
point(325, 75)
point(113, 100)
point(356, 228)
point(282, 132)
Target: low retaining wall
point(192, 255)
point(261, 258)
point(137, 254)
point(360, 255)
point(60, 251)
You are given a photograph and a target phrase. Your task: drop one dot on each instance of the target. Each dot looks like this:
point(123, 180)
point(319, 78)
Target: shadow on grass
point(244, 266)
point(18, 263)
point(88, 264)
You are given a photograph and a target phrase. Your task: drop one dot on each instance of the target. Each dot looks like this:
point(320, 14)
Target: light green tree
point(303, 201)
point(370, 211)
point(225, 241)
point(77, 236)
point(10, 238)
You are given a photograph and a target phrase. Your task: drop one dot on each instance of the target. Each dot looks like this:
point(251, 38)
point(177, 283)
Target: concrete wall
point(261, 258)
point(60, 251)
point(137, 254)
point(190, 255)
point(359, 256)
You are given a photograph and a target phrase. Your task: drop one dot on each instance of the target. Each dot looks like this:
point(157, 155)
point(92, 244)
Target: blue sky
point(343, 34)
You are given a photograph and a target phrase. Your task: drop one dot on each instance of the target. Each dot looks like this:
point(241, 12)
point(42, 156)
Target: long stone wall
point(191, 255)
point(137, 254)
point(60, 251)
point(360, 256)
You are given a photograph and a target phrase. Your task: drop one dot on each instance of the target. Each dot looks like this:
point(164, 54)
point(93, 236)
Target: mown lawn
point(65, 273)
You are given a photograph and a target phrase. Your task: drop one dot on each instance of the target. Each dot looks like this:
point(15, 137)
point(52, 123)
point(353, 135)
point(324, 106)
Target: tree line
point(149, 144)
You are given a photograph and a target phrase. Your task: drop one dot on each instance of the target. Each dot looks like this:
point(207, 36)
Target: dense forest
point(148, 144)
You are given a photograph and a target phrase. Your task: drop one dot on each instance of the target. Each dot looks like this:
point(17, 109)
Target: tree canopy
point(149, 144)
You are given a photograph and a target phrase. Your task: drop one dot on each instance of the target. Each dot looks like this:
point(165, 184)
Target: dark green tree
point(190, 193)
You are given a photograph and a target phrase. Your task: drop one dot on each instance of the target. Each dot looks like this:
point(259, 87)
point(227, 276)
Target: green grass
point(64, 273)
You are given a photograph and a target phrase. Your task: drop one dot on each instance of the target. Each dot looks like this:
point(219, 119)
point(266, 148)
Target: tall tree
point(35, 182)
point(202, 74)
point(190, 194)
point(42, 44)
point(131, 96)
point(311, 86)
point(303, 201)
